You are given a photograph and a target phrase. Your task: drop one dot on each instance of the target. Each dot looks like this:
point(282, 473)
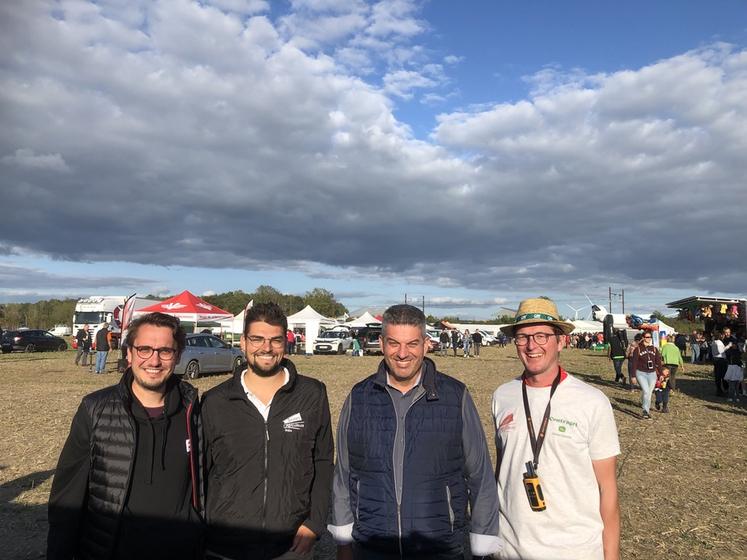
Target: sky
point(468, 154)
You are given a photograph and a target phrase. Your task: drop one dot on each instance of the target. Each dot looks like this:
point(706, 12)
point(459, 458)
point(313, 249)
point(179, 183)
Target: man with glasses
point(556, 450)
point(268, 451)
point(126, 484)
point(411, 456)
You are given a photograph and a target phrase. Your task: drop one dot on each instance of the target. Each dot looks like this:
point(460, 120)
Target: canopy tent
point(362, 321)
point(580, 327)
point(188, 307)
point(310, 320)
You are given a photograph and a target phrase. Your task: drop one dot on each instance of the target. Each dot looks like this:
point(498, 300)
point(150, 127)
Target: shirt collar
point(248, 392)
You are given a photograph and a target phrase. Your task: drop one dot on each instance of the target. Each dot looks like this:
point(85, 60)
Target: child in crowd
point(734, 376)
point(662, 390)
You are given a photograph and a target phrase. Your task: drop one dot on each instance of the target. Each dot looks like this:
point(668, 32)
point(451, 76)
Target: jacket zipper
point(264, 497)
point(398, 497)
point(190, 456)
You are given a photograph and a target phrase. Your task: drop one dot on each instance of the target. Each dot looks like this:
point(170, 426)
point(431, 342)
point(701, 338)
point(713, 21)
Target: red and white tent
point(188, 307)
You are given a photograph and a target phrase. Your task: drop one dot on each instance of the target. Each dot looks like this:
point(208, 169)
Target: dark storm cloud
point(247, 151)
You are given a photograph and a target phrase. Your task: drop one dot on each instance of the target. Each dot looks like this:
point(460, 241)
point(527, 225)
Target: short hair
point(270, 313)
point(638, 336)
point(403, 314)
point(158, 320)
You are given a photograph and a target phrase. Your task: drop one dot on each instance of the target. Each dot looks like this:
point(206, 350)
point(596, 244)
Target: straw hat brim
point(566, 328)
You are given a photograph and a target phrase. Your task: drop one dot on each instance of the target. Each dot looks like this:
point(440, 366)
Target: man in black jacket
point(83, 339)
point(268, 451)
point(126, 483)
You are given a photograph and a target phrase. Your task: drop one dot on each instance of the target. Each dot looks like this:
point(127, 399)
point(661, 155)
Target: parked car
point(31, 340)
point(61, 330)
point(434, 337)
point(370, 335)
point(335, 341)
point(487, 338)
point(206, 353)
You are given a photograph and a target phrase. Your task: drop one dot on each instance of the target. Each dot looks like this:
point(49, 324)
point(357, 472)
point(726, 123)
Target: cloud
point(26, 158)
point(463, 303)
point(35, 283)
point(189, 134)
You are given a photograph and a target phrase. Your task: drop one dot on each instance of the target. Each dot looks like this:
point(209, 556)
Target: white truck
point(97, 310)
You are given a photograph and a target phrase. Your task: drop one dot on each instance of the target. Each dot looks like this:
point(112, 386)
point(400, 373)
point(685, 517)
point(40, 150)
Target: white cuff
point(343, 534)
point(484, 545)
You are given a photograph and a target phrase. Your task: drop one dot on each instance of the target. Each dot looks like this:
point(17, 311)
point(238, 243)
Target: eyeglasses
point(540, 338)
point(258, 341)
point(146, 352)
point(647, 337)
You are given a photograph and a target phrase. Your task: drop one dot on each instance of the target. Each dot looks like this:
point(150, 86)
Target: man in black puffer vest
point(411, 456)
point(126, 485)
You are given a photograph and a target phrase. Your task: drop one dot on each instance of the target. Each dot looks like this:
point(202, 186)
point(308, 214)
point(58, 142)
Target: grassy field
point(682, 476)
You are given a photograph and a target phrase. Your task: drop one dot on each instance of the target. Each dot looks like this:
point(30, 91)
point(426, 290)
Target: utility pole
point(609, 290)
point(423, 305)
point(623, 300)
point(405, 299)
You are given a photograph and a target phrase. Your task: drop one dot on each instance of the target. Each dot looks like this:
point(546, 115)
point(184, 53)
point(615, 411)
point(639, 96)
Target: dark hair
point(638, 336)
point(403, 314)
point(158, 320)
point(269, 313)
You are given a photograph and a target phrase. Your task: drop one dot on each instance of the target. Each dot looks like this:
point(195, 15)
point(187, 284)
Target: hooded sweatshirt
point(159, 502)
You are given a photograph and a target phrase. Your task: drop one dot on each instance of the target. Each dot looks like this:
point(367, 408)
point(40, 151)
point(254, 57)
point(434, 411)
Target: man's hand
point(304, 540)
point(345, 552)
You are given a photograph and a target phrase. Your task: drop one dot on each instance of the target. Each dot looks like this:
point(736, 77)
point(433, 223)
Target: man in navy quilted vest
point(411, 456)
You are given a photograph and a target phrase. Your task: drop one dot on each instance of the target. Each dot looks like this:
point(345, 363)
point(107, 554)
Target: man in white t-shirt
point(570, 442)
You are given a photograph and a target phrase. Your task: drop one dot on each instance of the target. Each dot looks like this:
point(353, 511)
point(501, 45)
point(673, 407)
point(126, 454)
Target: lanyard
point(538, 440)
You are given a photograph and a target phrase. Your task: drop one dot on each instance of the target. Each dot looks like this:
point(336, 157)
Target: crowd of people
point(654, 369)
point(150, 470)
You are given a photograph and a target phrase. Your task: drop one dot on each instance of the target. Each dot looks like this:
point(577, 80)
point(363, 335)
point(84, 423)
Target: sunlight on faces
point(404, 347)
point(152, 373)
point(263, 359)
point(539, 359)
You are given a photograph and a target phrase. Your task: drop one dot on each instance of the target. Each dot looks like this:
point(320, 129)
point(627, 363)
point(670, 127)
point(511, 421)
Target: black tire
point(30, 348)
point(340, 349)
point(6, 350)
point(192, 371)
point(62, 347)
point(238, 362)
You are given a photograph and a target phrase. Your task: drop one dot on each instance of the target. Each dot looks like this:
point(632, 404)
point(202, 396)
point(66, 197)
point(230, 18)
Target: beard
point(151, 385)
point(265, 372)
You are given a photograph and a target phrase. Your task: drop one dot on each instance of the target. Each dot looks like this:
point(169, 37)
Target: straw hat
point(538, 311)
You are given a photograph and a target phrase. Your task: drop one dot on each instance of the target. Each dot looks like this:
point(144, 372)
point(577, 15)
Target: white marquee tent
point(362, 321)
point(310, 320)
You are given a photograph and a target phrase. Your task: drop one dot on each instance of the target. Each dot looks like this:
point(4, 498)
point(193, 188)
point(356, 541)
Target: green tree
point(324, 302)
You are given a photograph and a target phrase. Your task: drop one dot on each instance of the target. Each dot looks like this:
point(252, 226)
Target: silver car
point(206, 353)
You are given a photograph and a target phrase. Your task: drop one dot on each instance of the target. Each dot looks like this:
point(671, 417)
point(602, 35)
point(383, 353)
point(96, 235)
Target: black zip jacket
point(126, 486)
point(264, 480)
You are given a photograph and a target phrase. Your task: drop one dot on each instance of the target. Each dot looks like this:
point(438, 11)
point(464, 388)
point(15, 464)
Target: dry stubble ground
point(682, 476)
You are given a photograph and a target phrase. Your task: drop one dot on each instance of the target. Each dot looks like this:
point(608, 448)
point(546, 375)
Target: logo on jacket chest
point(293, 423)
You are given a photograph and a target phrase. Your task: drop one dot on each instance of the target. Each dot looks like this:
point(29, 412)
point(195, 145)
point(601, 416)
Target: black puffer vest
point(113, 433)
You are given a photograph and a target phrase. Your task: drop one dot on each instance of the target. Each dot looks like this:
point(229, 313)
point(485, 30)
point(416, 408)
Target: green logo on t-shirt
point(561, 428)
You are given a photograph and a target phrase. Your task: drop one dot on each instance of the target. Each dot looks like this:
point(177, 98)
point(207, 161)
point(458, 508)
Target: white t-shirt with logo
point(581, 429)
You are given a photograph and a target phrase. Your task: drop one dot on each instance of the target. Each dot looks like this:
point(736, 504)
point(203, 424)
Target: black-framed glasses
point(649, 337)
point(540, 338)
point(145, 352)
point(259, 341)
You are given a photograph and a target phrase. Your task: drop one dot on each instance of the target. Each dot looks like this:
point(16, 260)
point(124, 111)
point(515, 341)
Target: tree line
point(46, 314)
